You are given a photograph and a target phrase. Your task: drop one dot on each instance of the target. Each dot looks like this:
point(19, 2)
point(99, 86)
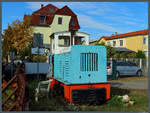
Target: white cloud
point(108, 16)
point(88, 22)
point(84, 6)
point(124, 20)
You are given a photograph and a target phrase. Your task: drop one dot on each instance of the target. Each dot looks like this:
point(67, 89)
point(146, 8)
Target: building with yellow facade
point(132, 41)
point(49, 19)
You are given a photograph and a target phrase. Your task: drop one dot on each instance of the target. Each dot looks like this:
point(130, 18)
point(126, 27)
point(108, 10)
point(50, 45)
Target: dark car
point(9, 71)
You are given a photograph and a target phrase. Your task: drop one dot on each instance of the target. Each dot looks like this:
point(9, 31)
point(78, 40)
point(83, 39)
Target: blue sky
point(95, 18)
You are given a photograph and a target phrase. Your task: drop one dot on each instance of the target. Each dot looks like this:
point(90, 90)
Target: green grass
point(56, 102)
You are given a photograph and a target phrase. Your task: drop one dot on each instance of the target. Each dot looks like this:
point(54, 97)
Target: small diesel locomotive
point(78, 71)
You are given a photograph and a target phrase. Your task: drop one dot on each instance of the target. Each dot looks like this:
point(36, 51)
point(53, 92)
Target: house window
point(51, 10)
point(42, 19)
point(65, 11)
point(108, 43)
point(73, 22)
point(38, 40)
point(114, 43)
point(60, 20)
point(121, 42)
point(144, 41)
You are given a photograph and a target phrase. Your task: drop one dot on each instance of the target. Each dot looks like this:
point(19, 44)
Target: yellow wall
point(60, 27)
point(45, 31)
point(134, 43)
point(54, 27)
point(102, 40)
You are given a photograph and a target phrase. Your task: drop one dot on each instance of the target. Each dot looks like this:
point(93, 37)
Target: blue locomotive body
point(82, 65)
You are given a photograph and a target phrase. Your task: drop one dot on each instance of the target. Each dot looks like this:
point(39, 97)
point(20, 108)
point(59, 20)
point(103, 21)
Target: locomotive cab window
point(64, 41)
point(78, 41)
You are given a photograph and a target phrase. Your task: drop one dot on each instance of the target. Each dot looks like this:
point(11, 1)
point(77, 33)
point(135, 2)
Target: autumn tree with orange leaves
point(18, 37)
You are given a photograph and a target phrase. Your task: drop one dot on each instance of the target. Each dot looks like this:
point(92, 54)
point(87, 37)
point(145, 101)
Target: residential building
point(91, 42)
point(49, 19)
point(132, 41)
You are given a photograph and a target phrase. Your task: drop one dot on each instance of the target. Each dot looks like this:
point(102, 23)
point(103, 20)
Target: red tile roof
point(45, 11)
point(142, 32)
point(65, 11)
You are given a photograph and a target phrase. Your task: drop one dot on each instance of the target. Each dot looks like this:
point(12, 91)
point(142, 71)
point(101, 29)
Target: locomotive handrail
point(38, 89)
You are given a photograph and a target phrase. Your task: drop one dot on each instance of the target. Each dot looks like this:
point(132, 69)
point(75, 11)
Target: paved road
point(139, 84)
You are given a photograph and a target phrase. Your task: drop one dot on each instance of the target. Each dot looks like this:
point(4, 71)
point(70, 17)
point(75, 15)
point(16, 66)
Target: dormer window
point(59, 20)
point(42, 19)
point(51, 9)
point(65, 11)
point(73, 22)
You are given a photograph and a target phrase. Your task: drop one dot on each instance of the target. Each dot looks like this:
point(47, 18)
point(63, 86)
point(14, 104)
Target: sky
point(95, 18)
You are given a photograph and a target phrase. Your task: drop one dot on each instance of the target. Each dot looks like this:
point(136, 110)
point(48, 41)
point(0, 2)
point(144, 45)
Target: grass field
point(57, 103)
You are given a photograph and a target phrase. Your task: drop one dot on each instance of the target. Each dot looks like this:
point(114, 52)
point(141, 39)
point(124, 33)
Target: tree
point(42, 58)
point(140, 54)
point(131, 55)
point(100, 43)
point(110, 50)
point(18, 36)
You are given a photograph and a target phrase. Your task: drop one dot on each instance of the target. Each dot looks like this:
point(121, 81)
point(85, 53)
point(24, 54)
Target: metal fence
point(142, 63)
point(31, 68)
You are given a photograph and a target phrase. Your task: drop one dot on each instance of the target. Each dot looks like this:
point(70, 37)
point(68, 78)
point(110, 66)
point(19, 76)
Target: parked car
point(124, 68)
point(9, 71)
point(16, 62)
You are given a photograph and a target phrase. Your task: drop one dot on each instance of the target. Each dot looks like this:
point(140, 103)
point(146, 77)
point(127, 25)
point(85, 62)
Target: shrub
point(140, 54)
point(115, 101)
point(42, 58)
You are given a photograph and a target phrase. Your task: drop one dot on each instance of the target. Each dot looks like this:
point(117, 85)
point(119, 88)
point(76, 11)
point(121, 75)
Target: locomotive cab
point(61, 42)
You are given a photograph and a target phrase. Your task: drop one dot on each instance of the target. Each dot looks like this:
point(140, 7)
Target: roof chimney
point(115, 33)
point(42, 5)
